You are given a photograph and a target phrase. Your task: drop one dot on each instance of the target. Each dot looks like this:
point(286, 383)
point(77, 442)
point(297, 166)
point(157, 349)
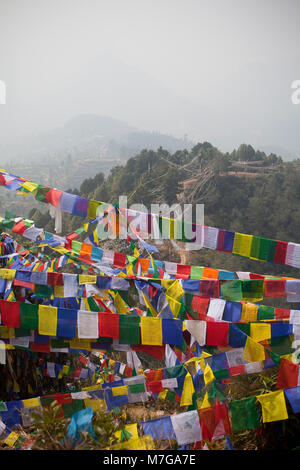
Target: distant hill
point(84, 146)
point(88, 136)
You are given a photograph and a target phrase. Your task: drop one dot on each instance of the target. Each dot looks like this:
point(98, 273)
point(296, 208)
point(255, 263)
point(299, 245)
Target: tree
point(170, 186)
point(245, 153)
point(89, 185)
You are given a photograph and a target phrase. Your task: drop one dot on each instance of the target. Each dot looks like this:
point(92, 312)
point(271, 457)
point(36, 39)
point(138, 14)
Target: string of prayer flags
point(186, 307)
point(249, 246)
point(213, 420)
point(58, 279)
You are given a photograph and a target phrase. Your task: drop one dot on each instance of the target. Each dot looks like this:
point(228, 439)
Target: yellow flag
point(120, 304)
point(242, 244)
point(87, 279)
point(151, 331)
point(205, 354)
point(208, 375)
point(96, 239)
point(7, 332)
point(117, 391)
point(61, 250)
point(290, 357)
point(91, 388)
point(174, 305)
point(206, 402)
point(31, 402)
point(29, 186)
point(47, 320)
point(253, 351)
point(188, 391)
point(202, 361)
point(95, 404)
point(152, 263)
point(11, 439)
point(142, 443)
point(175, 290)
point(80, 344)
point(92, 209)
point(59, 291)
point(22, 193)
point(249, 312)
point(132, 429)
point(87, 305)
point(8, 274)
point(149, 305)
point(63, 371)
point(273, 406)
point(260, 331)
point(193, 359)
point(167, 283)
point(162, 395)
point(129, 270)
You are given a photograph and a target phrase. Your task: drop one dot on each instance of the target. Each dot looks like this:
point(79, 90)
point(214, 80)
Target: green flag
point(29, 316)
point(244, 414)
point(129, 329)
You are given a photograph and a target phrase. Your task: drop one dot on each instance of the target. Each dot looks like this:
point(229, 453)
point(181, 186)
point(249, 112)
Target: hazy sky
point(217, 70)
